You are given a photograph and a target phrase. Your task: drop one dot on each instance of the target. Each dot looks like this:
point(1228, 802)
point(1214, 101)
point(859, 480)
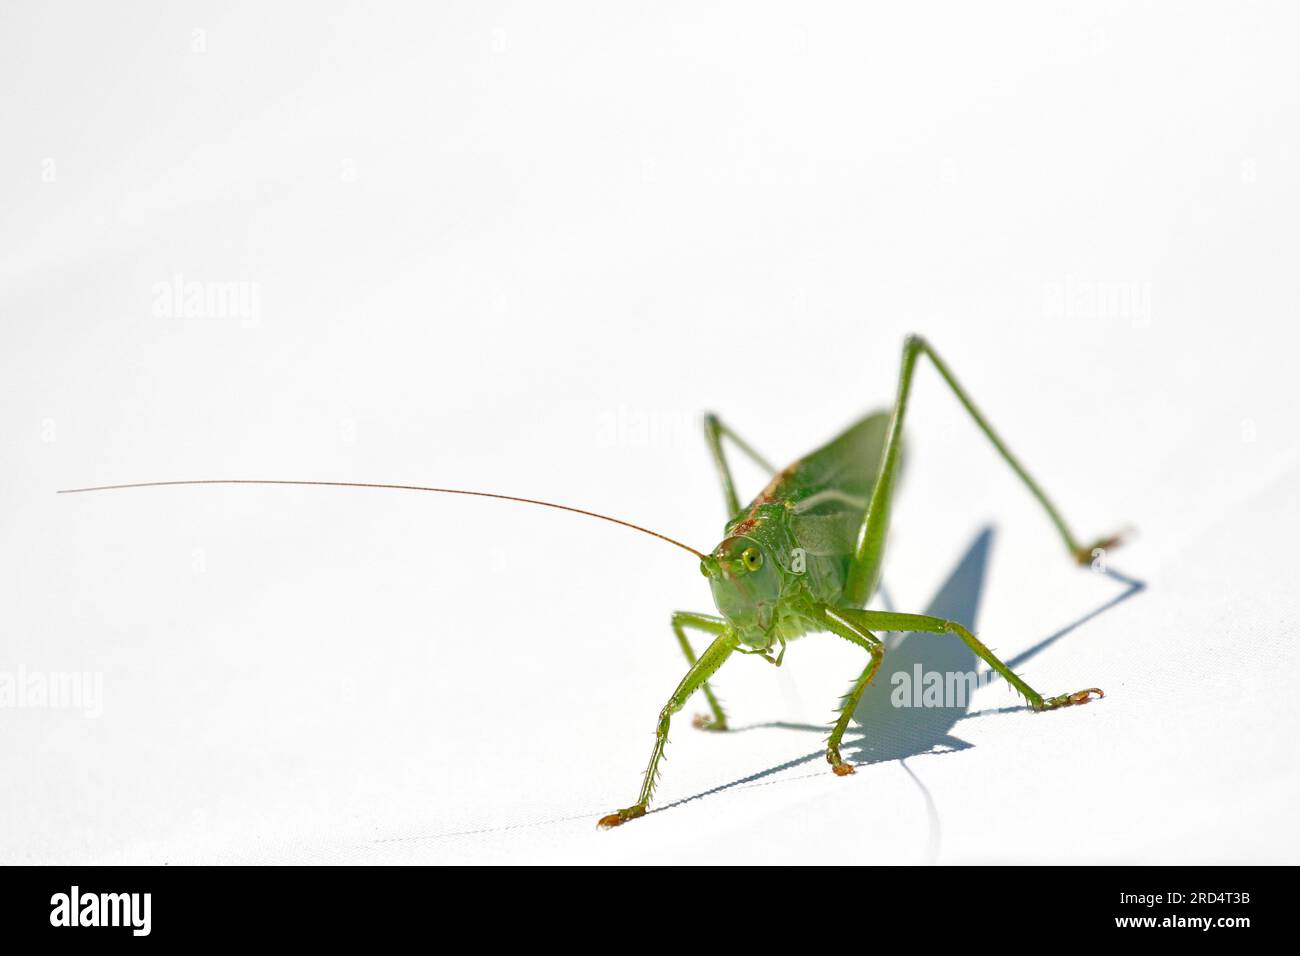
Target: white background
point(522, 247)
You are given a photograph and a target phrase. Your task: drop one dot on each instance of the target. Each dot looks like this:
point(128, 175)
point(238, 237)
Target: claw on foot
point(1069, 700)
point(707, 722)
point(838, 766)
point(621, 817)
point(1084, 554)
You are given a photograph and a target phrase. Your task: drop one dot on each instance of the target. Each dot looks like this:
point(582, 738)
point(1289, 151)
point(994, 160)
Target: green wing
point(829, 487)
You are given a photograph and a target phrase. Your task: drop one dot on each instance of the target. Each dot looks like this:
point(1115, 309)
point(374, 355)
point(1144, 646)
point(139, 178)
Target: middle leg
point(709, 625)
point(890, 621)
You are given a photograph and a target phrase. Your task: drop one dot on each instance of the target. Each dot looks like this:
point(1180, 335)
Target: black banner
point(1169, 905)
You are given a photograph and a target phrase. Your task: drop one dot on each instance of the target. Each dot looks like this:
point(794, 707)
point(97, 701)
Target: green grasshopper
point(802, 557)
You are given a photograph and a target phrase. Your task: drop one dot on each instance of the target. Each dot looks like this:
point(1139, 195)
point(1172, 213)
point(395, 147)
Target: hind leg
point(864, 570)
point(714, 432)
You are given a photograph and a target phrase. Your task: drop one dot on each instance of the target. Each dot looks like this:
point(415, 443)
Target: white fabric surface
point(522, 248)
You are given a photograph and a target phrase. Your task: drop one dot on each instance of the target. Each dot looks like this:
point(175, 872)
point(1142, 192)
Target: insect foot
point(621, 817)
point(1087, 553)
point(707, 722)
point(1069, 700)
point(838, 764)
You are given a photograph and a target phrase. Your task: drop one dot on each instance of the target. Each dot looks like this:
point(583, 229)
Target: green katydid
point(803, 557)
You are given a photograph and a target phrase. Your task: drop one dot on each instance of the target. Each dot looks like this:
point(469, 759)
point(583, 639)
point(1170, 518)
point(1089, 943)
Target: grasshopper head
point(746, 585)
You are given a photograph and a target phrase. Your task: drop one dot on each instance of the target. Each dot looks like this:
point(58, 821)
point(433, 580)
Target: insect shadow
point(883, 732)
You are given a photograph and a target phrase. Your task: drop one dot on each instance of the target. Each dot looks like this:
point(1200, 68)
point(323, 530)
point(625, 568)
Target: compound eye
point(752, 559)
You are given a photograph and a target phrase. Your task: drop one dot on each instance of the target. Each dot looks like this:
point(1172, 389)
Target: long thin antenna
point(367, 484)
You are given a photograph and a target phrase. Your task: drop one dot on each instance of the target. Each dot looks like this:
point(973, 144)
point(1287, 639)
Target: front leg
point(704, 668)
point(837, 623)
